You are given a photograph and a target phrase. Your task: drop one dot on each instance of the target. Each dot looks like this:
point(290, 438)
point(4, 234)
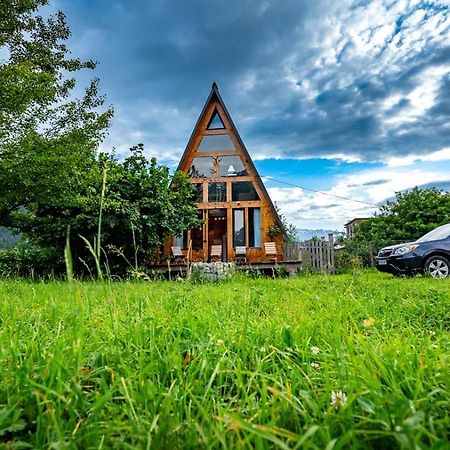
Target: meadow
point(315, 362)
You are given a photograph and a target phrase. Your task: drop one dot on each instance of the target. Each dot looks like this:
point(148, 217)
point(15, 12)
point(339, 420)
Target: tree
point(143, 204)
point(48, 140)
point(50, 174)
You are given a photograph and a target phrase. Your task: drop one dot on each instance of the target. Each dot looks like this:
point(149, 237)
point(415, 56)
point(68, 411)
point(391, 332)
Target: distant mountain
point(304, 235)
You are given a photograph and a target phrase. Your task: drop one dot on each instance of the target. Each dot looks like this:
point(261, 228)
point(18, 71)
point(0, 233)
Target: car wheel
point(437, 267)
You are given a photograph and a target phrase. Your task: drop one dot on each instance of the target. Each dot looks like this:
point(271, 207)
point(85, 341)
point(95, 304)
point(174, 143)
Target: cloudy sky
point(347, 97)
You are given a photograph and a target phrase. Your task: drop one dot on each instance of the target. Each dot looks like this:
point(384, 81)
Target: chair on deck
point(241, 255)
point(178, 256)
point(271, 251)
point(216, 253)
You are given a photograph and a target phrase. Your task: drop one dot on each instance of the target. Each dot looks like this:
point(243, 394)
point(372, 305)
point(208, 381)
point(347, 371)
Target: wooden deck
point(264, 267)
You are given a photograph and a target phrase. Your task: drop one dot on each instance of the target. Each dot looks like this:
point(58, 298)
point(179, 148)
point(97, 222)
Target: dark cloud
point(315, 207)
point(371, 183)
point(442, 185)
point(297, 81)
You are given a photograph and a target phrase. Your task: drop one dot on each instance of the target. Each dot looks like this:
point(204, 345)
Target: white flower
point(315, 350)
point(219, 342)
point(338, 399)
point(315, 365)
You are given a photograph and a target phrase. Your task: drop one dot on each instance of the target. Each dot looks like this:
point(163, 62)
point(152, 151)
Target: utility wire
point(320, 192)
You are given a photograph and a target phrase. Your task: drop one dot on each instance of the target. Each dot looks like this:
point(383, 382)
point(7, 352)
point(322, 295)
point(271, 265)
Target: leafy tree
point(50, 175)
point(143, 205)
point(48, 140)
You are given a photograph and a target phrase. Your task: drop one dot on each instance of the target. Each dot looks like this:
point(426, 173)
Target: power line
point(320, 192)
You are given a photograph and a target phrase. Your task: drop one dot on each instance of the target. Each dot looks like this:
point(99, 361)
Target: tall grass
point(243, 364)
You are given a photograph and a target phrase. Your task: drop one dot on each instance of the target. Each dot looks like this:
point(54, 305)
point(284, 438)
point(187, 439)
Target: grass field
point(315, 362)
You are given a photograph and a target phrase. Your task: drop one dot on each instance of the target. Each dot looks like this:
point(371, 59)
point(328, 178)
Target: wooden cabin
point(233, 203)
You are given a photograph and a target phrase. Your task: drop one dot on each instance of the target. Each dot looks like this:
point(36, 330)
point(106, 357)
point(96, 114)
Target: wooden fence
point(316, 254)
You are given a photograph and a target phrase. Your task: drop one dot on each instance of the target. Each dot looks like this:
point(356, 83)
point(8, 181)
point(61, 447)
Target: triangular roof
point(215, 95)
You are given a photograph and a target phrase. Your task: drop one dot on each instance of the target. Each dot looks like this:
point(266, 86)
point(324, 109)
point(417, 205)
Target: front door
point(217, 230)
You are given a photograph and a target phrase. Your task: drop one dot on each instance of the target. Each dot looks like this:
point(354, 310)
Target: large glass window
point(238, 227)
point(197, 234)
point(197, 189)
point(178, 241)
point(254, 227)
point(217, 192)
point(243, 190)
point(202, 168)
point(181, 240)
point(231, 166)
point(215, 142)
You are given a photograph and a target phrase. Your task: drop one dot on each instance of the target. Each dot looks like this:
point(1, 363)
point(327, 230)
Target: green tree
point(48, 140)
point(143, 205)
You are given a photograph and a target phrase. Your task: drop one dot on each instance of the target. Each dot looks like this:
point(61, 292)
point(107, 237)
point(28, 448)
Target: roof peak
point(214, 86)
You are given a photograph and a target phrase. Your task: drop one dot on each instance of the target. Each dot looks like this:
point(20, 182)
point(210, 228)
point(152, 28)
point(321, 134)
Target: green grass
point(178, 365)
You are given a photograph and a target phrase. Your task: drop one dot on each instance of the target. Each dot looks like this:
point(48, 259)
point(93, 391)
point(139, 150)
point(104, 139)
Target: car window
point(438, 233)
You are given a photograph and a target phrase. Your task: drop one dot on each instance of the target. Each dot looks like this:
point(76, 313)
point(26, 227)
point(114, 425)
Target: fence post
point(331, 252)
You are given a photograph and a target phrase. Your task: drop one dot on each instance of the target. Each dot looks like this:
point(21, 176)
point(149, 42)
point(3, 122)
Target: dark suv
point(429, 255)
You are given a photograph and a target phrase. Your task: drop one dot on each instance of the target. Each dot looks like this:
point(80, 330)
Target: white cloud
point(314, 210)
point(441, 155)
point(421, 98)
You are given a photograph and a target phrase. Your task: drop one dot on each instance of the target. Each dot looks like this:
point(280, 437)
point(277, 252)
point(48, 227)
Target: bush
point(28, 262)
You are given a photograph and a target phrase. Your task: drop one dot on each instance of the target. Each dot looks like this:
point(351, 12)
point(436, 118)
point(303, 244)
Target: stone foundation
point(213, 271)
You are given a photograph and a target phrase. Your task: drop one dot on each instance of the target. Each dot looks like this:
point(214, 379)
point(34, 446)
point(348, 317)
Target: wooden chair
point(271, 251)
point(241, 255)
point(178, 256)
point(216, 253)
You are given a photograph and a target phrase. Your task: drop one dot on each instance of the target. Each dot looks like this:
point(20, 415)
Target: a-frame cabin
point(232, 200)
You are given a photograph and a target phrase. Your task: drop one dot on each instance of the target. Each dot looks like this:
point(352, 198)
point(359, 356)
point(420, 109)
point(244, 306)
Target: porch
point(264, 267)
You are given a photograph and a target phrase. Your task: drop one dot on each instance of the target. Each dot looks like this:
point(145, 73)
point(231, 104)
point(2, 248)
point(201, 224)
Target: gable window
point(202, 167)
point(216, 142)
point(231, 166)
point(243, 190)
point(216, 122)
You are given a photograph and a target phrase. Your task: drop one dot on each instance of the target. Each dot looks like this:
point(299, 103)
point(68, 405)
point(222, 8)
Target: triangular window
point(216, 122)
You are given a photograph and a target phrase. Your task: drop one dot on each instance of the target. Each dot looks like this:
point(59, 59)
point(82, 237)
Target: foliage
point(48, 139)
point(411, 215)
point(142, 205)
point(50, 175)
point(312, 362)
point(288, 230)
point(28, 261)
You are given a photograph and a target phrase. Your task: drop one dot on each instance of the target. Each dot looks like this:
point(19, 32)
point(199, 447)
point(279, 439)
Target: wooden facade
point(232, 201)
